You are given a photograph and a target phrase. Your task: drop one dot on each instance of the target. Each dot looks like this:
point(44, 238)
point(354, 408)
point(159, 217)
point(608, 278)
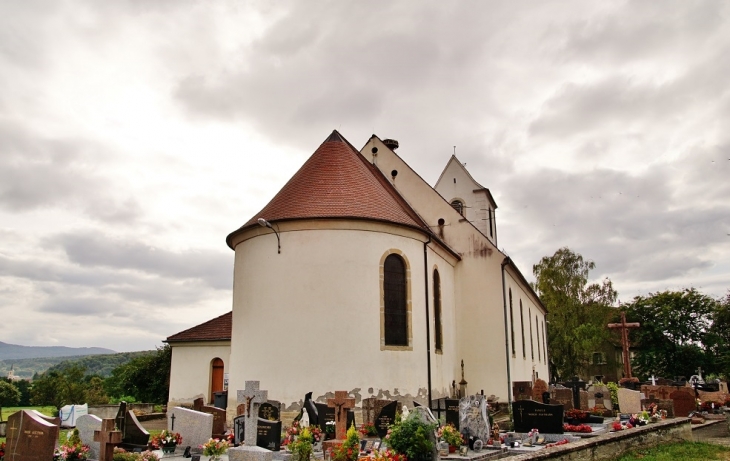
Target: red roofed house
point(362, 277)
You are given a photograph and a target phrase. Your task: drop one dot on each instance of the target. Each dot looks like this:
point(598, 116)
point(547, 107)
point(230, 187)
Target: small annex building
point(365, 278)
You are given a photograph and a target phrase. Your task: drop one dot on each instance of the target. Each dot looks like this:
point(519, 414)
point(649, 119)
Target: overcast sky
point(134, 136)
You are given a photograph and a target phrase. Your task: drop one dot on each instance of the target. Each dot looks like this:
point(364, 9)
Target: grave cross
point(173, 422)
point(625, 341)
point(107, 438)
point(575, 385)
point(341, 403)
point(253, 397)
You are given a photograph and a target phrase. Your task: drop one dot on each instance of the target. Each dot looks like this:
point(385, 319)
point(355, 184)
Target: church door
point(216, 377)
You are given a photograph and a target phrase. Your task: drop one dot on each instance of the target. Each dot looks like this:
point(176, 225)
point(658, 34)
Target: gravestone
point(29, 437)
point(269, 410)
point(684, 403)
point(629, 401)
point(563, 396)
point(108, 438)
point(268, 434)
point(239, 423)
point(575, 385)
point(452, 412)
point(528, 415)
point(55, 420)
point(195, 427)
point(583, 396)
point(599, 396)
point(473, 419)
point(250, 453)
point(522, 390)
point(219, 417)
point(371, 408)
point(385, 418)
point(325, 415)
point(252, 396)
point(717, 397)
point(659, 392)
point(87, 424)
point(133, 434)
point(538, 388)
point(312, 411)
point(341, 403)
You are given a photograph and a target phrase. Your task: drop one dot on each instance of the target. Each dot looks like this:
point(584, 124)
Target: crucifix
point(172, 418)
point(625, 341)
point(108, 438)
point(342, 404)
point(253, 397)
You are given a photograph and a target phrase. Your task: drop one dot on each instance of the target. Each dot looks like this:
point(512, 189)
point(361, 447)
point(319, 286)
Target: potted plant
point(411, 437)
point(301, 447)
point(368, 430)
point(450, 435)
point(166, 441)
point(72, 449)
point(214, 448)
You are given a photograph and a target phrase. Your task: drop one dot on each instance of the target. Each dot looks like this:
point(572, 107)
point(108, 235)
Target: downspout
point(506, 261)
point(428, 320)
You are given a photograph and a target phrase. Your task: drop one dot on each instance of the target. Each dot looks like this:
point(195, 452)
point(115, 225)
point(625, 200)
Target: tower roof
point(337, 182)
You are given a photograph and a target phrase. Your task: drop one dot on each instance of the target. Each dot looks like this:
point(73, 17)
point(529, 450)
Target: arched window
point(438, 336)
point(537, 328)
point(458, 206)
point(544, 342)
point(395, 310)
point(532, 343)
point(522, 325)
point(216, 377)
point(512, 322)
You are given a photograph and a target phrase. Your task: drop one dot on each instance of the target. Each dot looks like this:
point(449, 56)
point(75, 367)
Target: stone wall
point(614, 444)
point(110, 411)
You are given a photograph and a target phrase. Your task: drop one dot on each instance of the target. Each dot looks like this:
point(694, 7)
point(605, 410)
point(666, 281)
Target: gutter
point(428, 320)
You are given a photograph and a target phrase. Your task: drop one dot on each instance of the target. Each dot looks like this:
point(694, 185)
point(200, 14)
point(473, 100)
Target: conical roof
point(337, 182)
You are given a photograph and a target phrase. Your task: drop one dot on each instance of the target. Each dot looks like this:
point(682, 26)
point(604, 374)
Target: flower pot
point(168, 449)
point(452, 448)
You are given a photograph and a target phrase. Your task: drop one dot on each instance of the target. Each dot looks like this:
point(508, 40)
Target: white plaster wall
point(190, 369)
point(308, 319)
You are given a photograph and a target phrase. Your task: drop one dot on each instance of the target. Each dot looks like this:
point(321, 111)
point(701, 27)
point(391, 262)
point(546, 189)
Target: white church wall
point(308, 319)
point(445, 361)
point(188, 380)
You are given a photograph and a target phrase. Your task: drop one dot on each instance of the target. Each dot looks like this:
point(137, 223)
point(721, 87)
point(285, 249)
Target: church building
point(360, 276)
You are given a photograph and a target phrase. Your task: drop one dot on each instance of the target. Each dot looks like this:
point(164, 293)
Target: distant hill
point(101, 365)
point(14, 351)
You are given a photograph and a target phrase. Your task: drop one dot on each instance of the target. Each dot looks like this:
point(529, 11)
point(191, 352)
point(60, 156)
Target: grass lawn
point(679, 451)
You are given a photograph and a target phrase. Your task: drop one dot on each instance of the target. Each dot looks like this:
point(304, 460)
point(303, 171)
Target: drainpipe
point(506, 261)
point(428, 321)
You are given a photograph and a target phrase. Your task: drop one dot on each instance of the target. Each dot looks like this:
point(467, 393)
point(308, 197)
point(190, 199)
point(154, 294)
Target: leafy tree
point(59, 388)
point(9, 396)
point(675, 334)
point(720, 337)
point(577, 311)
point(145, 378)
point(95, 393)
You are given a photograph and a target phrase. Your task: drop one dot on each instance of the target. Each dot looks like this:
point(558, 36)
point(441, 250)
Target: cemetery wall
point(614, 444)
point(191, 369)
point(110, 411)
point(324, 332)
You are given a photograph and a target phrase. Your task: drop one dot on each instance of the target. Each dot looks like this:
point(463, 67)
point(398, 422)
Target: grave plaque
point(522, 390)
point(195, 427)
point(385, 418)
point(269, 434)
point(528, 415)
point(87, 424)
point(473, 419)
point(684, 403)
point(452, 412)
point(269, 411)
point(219, 417)
point(629, 401)
point(29, 437)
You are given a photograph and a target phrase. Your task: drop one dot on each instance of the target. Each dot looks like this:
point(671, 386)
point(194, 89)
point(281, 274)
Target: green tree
point(720, 332)
point(9, 396)
point(675, 334)
point(577, 311)
point(146, 378)
point(58, 388)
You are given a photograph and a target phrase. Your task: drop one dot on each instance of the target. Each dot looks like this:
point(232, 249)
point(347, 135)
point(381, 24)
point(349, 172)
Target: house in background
point(360, 276)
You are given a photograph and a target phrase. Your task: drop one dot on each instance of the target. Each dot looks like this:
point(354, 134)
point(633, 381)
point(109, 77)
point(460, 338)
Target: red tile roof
point(218, 329)
point(337, 182)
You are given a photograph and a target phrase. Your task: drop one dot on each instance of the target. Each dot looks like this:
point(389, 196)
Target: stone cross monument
point(624, 327)
point(341, 403)
point(108, 438)
point(252, 396)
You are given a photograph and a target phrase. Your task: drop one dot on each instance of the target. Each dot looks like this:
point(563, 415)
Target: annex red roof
point(217, 329)
point(337, 182)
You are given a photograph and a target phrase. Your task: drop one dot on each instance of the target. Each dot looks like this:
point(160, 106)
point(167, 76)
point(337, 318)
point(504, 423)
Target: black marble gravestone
point(269, 434)
point(268, 412)
point(385, 418)
point(238, 434)
point(452, 412)
point(134, 436)
point(529, 415)
point(312, 411)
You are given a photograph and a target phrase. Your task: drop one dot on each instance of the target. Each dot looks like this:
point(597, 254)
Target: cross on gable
point(107, 438)
point(341, 403)
point(624, 327)
point(252, 396)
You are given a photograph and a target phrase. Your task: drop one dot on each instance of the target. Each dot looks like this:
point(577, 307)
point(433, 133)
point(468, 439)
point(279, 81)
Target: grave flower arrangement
point(330, 428)
point(368, 430)
point(387, 455)
point(2, 451)
point(72, 449)
point(410, 437)
point(166, 439)
point(301, 448)
point(350, 449)
point(581, 428)
point(121, 454)
point(449, 434)
point(291, 433)
point(214, 447)
point(576, 414)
